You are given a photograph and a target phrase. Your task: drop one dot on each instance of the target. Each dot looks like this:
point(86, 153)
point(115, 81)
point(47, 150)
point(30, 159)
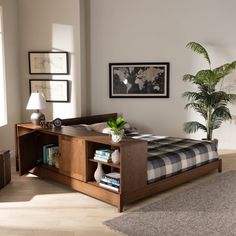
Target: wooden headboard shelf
point(89, 119)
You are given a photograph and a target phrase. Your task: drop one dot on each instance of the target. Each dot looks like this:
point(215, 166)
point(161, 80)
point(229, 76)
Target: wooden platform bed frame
point(77, 166)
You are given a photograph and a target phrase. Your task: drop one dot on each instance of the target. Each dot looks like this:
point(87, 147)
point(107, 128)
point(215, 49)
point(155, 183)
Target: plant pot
point(117, 136)
point(215, 141)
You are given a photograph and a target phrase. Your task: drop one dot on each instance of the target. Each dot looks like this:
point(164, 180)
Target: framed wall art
point(55, 63)
point(53, 90)
point(139, 80)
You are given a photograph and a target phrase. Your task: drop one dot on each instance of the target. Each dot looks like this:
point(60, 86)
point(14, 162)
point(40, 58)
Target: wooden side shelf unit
point(77, 166)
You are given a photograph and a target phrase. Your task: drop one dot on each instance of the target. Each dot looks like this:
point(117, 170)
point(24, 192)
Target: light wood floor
point(32, 206)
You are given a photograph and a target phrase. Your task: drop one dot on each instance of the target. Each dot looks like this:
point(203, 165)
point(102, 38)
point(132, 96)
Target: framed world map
point(139, 80)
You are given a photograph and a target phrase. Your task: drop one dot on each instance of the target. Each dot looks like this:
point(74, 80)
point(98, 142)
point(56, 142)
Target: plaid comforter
point(169, 156)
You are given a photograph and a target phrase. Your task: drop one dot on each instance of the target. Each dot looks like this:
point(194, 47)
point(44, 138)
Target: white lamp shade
point(36, 102)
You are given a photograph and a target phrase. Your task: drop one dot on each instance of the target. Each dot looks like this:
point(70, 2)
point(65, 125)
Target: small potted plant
point(117, 130)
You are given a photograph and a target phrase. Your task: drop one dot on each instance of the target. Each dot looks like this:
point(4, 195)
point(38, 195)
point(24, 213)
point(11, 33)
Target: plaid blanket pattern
point(168, 156)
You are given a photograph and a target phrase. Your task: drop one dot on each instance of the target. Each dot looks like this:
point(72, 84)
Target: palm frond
point(231, 97)
point(191, 95)
point(222, 71)
point(198, 107)
point(221, 96)
point(193, 126)
point(205, 77)
point(198, 48)
point(221, 112)
point(188, 77)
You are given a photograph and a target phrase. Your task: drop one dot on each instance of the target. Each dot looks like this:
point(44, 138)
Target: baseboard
point(226, 151)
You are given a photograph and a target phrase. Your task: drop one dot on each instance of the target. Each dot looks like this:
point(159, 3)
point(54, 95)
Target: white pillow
point(101, 127)
point(106, 130)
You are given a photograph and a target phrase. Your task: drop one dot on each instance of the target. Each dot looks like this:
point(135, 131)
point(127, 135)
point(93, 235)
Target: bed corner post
point(120, 205)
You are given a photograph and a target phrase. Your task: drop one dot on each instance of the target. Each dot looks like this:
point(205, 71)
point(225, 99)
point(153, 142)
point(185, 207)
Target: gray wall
point(11, 39)
point(52, 25)
point(98, 32)
point(158, 31)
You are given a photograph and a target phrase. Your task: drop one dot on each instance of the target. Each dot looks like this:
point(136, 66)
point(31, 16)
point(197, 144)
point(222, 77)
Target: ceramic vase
point(98, 173)
point(117, 136)
point(115, 157)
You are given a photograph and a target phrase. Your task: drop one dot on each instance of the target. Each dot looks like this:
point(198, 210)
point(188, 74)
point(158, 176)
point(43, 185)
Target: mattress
point(168, 156)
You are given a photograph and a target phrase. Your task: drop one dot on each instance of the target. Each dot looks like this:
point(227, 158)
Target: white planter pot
point(117, 137)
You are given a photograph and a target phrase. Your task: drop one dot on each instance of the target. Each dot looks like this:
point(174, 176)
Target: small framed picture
point(53, 90)
point(55, 63)
point(139, 80)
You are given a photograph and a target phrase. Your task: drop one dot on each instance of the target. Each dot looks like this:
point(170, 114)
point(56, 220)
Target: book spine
point(51, 152)
point(101, 156)
point(116, 181)
point(109, 187)
point(116, 178)
point(104, 153)
point(101, 159)
point(108, 182)
point(44, 155)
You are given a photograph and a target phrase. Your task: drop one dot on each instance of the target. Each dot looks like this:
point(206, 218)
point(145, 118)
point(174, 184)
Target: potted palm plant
point(117, 130)
point(209, 100)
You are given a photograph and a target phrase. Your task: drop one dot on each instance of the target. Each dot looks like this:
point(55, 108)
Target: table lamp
point(36, 102)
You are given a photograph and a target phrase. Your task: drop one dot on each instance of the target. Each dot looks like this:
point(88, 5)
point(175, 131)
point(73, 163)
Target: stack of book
point(103, 155)
point(111, 181)
point(49, 151)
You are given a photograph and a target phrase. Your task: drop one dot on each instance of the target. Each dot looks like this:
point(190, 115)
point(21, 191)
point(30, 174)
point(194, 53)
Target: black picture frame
point(48, 62)
point(53, 90)
point(139, 80)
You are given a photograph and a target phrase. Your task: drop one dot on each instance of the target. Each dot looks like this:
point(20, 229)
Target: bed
point(170, 160)
point(149, 164)
point(169, 156)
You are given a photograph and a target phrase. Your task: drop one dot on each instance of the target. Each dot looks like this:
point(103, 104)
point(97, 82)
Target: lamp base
point(37, 117)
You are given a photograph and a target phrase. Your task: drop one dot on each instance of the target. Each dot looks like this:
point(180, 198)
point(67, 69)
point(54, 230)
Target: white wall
point(51, 25)
point(10, 27)
point(157, 31)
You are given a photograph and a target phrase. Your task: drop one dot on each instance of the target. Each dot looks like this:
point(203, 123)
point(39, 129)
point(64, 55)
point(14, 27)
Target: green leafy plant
point(210, 102)
point(116, 125)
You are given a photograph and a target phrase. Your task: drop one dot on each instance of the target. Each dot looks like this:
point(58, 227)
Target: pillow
point(82, 125)
point(101, 127)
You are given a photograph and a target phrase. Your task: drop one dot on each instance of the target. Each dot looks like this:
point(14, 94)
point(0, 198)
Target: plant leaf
point(193, 126)
point(224, 70)
point(198, 48)
point(188, 77)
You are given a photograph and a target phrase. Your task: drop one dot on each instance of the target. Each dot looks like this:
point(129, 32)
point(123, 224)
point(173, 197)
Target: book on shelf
point(109, 187)
point(102, 159)
point(45, 152)
point(110, 182)
point(113, 175)
point(54, 150)
point(49, 151)
point(103, 152)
